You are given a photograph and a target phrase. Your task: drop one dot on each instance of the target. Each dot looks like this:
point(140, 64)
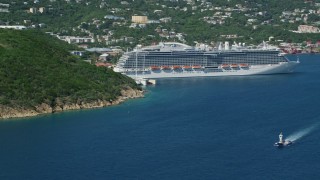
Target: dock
point(145, 82)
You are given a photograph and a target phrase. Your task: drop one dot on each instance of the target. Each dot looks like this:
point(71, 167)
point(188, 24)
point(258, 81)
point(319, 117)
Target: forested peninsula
point(39, 75)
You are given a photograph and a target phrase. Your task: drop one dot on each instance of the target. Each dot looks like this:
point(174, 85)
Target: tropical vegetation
point(78, 17)
point(37, 68)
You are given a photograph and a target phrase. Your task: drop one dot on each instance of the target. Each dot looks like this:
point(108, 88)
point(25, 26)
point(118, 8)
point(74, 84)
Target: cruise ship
point(173, 59)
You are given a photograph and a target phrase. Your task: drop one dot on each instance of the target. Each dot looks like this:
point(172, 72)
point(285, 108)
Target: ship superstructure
point(174, 59)
point(282, 142)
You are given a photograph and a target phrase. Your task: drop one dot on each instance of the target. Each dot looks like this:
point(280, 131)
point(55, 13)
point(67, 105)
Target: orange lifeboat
point(196, 67)
point(155, 67)
point(234, 65)
point(186, 67)
point(225, 65)
point(165, 67)
point(176, 67)
point(244, 65)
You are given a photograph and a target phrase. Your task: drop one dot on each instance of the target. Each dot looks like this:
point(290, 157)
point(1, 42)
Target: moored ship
point(172, 59)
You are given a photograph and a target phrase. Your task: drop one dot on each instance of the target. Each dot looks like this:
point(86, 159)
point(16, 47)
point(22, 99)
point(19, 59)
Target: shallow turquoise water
point(199, 128)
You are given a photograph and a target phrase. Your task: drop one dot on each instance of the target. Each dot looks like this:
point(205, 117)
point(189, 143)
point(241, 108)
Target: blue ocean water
point(199, 128)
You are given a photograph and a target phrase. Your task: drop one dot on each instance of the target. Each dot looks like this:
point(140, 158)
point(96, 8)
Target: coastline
point(9, 112)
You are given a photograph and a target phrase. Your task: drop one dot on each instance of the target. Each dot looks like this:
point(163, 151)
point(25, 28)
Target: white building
point(308, 29)
point(77, 40)
point(4, 8)
point(42, 9)
point(33, 10)
point(13, 27)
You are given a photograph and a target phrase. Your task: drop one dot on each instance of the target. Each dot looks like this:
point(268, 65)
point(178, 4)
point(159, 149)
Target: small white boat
point(282, 142)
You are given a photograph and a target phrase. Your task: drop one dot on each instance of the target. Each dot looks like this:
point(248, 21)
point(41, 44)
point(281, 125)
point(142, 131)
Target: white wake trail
point(299, 134)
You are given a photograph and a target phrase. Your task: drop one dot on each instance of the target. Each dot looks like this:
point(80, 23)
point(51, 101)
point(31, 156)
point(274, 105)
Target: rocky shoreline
point(9, 112)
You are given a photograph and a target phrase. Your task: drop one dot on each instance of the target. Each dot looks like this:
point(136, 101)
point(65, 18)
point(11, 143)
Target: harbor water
point(192, 128)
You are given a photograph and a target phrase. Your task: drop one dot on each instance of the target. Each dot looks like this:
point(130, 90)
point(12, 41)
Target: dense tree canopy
point(36, 68)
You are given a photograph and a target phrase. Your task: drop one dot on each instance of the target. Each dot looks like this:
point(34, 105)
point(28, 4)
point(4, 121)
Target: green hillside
point(197, 20)
point(37, 68)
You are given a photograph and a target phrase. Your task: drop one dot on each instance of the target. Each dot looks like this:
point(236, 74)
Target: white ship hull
point(283, 67)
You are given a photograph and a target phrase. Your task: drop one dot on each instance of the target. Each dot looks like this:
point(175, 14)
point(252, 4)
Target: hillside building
point(140, 19)
point(13, 27)
point(308, 29)
point(4, 8)
point(76, 40)
point(42, 9)
point(33, 10)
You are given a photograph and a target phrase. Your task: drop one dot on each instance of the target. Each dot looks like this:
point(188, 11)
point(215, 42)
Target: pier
point(145, 82)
